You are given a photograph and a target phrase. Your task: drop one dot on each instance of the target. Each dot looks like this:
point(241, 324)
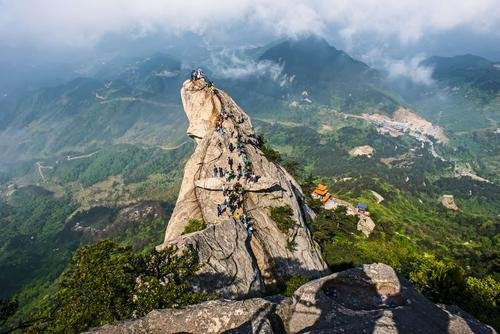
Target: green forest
point(39, 239)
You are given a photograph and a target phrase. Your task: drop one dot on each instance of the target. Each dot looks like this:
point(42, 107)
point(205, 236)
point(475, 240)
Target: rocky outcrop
point(448, 201)
point(365, 225)
point(373, 299)
point(367, 299)
point(365, 150)
point(221, 316)
point(235, 260)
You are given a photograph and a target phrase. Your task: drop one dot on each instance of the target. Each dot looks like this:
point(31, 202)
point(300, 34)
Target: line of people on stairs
point(233, 196)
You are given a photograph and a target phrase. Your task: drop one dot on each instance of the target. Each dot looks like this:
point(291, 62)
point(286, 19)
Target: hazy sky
point(390, 34)
point(77, 23)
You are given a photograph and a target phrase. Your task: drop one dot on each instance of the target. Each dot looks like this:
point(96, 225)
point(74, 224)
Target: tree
point(97, 288)
point(7, 309)
point(482, 298)
point(165, 281)
point(194, 225)
point(283, 216)
point(292, 167)
point(292, 283)
point(270, 153)
point(106, 282)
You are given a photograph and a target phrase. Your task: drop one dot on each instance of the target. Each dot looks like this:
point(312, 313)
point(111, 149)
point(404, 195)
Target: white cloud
point(408, 68)
point(83, 23)
point(168, 74)
point(229, 65)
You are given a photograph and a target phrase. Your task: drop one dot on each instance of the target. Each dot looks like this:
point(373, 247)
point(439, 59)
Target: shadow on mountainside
point(216, 281)
point(285, 267)
point(263, 320)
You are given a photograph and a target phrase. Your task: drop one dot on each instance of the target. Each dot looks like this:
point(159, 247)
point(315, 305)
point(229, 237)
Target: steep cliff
point(242, 251)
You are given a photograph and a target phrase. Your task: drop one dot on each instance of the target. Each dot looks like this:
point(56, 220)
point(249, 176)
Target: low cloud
point(167, 74)
point(410, 69)
point(84, 23)
point(227, 64)
point(407, 68)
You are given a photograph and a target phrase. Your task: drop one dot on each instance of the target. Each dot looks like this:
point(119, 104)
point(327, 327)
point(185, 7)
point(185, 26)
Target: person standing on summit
point(197, 74)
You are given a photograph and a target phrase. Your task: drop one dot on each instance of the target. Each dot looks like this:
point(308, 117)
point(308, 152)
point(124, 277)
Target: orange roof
point(321, 186)
point(326, 198)
point(320, 192)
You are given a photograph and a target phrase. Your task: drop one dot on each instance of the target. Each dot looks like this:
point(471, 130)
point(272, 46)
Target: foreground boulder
point(246, 316)
point(367, 299)
point(373, 299)
point(236, 260)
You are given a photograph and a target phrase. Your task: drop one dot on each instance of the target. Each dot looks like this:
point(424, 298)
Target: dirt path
point(81, 156)
point(132, 99)
point(171, 148)
point(40, 169)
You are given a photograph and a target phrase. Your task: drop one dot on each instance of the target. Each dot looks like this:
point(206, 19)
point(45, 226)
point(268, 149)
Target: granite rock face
point(237, 261)
point(247, 316)
point(373, 299)
point(367, 299)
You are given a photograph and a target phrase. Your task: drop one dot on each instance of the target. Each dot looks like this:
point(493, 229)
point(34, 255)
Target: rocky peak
point(231, 187)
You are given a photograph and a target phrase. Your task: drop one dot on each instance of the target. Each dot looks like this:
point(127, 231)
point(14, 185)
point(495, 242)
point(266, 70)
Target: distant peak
point(309, 41)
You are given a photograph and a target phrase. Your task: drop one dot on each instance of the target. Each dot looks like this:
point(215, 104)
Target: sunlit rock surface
point(234, 263)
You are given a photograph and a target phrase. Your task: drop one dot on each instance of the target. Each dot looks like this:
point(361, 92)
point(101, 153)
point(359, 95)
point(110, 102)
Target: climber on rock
point(223, 113)
point(197, 74)
point(239, 169)
point(253, 178)
point(210, 85)
point(219, 210)
point(237, 186)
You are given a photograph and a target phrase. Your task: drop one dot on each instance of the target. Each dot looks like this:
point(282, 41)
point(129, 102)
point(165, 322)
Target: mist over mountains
point(143, 87)
point(94, 149)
